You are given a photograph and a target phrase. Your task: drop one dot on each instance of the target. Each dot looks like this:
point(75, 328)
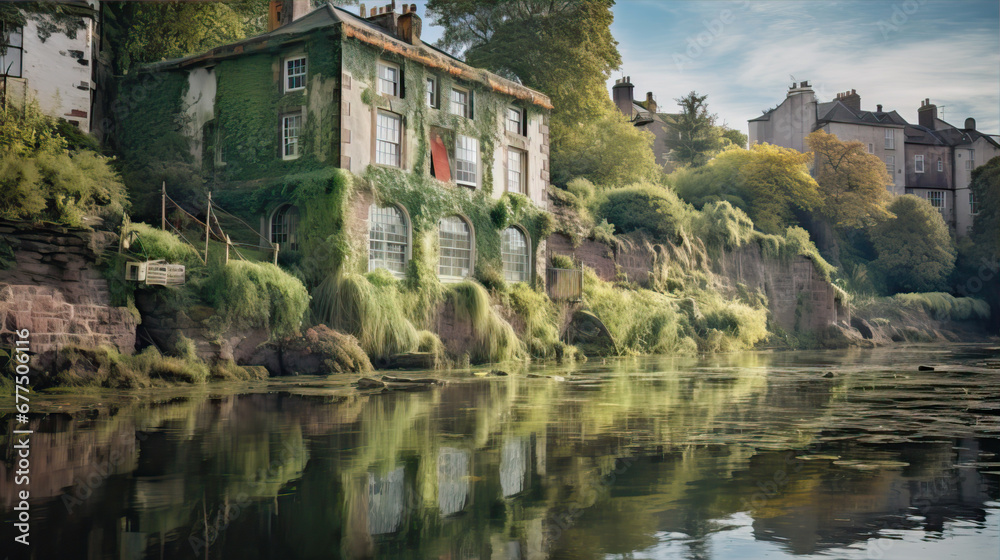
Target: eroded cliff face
point(50, 284)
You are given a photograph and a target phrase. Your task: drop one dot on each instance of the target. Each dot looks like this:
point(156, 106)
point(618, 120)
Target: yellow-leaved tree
point(852, 182)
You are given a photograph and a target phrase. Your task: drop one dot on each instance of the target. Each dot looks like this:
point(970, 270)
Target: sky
point(745, 54)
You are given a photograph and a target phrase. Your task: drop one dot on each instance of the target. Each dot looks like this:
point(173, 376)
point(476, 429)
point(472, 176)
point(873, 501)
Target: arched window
point(284, 223)
point(388, 239)
point(455, 236)
point(514, 250)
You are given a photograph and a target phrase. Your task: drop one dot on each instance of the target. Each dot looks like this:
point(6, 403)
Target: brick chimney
point(650, 102)
point(621, 93)
point(283, 12)
point(970, 124)
point(927, 114)
point(386, 18)
point(408, 25)
point(851, 100)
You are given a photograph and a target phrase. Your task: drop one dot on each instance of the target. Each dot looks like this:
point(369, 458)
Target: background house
point(645, 115)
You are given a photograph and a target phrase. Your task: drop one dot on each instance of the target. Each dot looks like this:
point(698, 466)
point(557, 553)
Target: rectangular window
point(970, 163)
point(466, 160)
point(918, 164)
point(940, 165)
point(936, 199)
point(973, 204)
point(291, 125)
point(432, 93)
point(871, 148)
point(461, 102)
point(890, 165)
point(295, 73)
point(515, 121)
point(890, 140)
point(388, 79)
point(388, 138)
point(515, 171)
point(10, 55)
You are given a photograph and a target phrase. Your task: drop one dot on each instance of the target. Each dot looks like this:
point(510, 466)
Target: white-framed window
point(284, 223)
point(455, 240)
point(973, 204)
point(461, 102)
point(515, 121)
point(515, 251)
point(388, 79)
point(388, 139)
point(388, 239)
point(890, 165)
point(940, 165)
point(890, 139)
point(871, 148)
point(295, 73)
point(291, 127)
point(432, 92)
point(970, 163)
point(516, 176)
point(466, 160)
point(918, 163)
point(12, 41)
point(937, 199)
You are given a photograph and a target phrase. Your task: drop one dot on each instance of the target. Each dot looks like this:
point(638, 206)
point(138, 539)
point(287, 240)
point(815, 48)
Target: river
point(846, 454)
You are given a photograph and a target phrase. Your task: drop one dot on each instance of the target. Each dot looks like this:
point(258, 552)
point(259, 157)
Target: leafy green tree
point(735, 137)
point(986, 190)
point(563, 48)
point(769, 183)
point(852, 182)
point(695, 138)
point(915, 250)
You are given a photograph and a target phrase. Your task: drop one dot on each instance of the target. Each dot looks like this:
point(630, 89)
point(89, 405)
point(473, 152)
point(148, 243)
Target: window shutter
point(472, 107)
point(402, 83)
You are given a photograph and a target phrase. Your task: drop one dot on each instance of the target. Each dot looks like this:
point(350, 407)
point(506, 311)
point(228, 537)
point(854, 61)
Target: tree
point(695, 138)
point(767, 182)
point(986, 190)
point(735, 137)
point(852, 182)
point(915, 251)
point(563, 48)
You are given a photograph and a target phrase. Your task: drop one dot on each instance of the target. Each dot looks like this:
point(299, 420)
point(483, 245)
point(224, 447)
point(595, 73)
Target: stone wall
point(55, 290)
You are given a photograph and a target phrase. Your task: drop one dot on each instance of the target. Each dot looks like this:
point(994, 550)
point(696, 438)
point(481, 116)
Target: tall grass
point(541, 333)
point(257, 295)
point(943, 306)
point(159, 244)
point(493, 338)
point(372, 312)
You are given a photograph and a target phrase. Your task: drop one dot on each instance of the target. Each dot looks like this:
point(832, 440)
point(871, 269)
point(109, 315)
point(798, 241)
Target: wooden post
point(163, 208)
point(228, 241)
point(276, 247)
point(208, 220)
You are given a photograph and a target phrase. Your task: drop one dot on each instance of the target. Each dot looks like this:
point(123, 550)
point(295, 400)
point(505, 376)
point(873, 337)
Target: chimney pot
point(363, 11)
point(879, 108)
point(970, 124)
point(413, 8)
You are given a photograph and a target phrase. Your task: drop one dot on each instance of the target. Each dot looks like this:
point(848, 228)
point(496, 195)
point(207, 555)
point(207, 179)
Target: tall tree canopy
point(565, 49)
point(915, 249)
point(696, 138)
point(986, 190)
point(852, 182)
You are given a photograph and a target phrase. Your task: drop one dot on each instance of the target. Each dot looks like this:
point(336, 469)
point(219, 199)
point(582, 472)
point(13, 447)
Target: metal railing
point(564, 283)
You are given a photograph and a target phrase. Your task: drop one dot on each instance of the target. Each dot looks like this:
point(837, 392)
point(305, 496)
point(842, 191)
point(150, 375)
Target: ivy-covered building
point(453, 159)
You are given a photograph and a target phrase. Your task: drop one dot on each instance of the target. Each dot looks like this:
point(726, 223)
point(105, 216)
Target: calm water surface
point(807, 455)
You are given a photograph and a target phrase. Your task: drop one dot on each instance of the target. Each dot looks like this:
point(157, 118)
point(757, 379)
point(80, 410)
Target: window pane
point(890, 165)
point(290, 127)
point(514, 121)
point(514, 251)
point(388, 138)
point(431, 92)
point(295, 72)
point(283, 225)
point(515, 171)
point(388, 79)
point(918, 164)
point(936, 198)
point(890, 140)
point(387, 239)
point(460, 102)
point(456, 248)
point(466, 159)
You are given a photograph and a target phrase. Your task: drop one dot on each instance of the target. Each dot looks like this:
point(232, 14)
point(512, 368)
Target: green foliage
point(985, 187)
point(795, 242)
point(696, 139)
point(493, 339)
point(606, 149)
point(722, 226)
point(915, 250)
point(41, 180)
point(371, 311)
point(945, 307)
point(644, 207)
point(106, 367)
point(259, 295)
point(158, 244)
point(733, 137)
point(742, 324)
point(541, 336)
point(562, 261)
point(852, 182)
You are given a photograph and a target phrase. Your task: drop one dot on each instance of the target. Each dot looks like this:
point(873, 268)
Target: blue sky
point(743, 54)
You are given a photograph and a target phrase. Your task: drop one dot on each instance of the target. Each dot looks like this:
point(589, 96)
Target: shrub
point(915, 250)
point(159, 244)
point(644, 207)
point(722, 226)
point(541, 335)
point(258, 295)
point(494, 340)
